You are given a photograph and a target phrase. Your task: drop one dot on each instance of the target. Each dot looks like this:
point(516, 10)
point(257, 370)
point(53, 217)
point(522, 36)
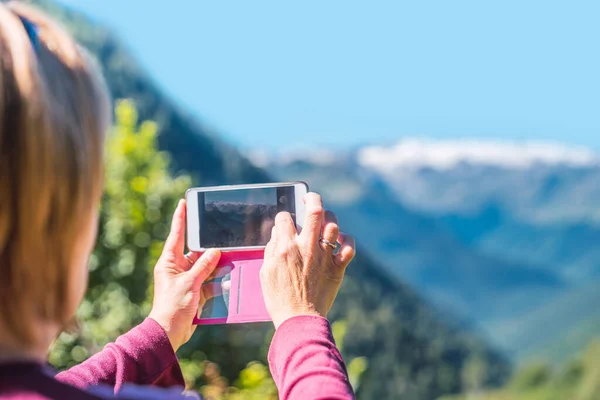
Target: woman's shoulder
point(29, 381)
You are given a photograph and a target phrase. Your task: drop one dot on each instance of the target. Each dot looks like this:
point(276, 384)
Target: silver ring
point(187, 257)
point(328, 243)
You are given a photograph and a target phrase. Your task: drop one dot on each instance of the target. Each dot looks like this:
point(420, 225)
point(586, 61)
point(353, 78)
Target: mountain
point(502, 233)
point(412, 349)
point(228, 224)
point(537, 182)
point(424, 249)
point(573, 318)
point(566, 248)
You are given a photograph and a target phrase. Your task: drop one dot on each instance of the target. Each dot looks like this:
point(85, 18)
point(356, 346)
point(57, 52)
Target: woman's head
point(54, 111)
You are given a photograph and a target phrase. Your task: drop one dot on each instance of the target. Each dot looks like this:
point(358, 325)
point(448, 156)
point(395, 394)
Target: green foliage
point(356, 366)
point(140, 196)
point(579, 379)
point(531, 377)
point(474, 373)
point(253, 383)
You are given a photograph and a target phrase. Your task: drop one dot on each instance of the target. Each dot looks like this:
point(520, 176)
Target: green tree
point(140, 196)
point(579, 379)
point(356, 366)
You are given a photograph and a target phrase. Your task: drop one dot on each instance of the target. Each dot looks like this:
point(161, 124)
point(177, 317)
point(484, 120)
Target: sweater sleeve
point(305, 362)
point(142, 356)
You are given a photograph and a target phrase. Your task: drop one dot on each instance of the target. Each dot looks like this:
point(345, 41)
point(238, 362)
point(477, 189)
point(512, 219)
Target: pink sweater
point(141, 364)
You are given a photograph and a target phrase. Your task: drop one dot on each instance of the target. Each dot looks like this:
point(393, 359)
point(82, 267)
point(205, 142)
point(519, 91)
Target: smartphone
point(240, 217)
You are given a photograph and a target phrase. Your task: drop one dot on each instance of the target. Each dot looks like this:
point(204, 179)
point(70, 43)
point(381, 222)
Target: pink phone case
point(243, 301)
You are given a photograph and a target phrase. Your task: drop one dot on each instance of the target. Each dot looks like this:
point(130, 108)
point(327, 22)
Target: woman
point(53, 114)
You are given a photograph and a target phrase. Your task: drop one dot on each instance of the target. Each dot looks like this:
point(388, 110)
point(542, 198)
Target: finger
point(210, 290)
point(313, 222)
point(219, 273)
point(347, 250)
point(175, 240)
point(226, 286)
point(272, 243)
point(284, 226)
point(331, 229)
point(207, 292)
point(191, 259)
point(273, 238)
point(331, 217)
point(205, 265)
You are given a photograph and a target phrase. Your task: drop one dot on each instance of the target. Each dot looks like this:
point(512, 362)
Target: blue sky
point(280, 74)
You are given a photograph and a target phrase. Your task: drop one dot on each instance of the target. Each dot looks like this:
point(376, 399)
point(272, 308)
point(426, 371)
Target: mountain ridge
point(444, 154)
point(487, 242)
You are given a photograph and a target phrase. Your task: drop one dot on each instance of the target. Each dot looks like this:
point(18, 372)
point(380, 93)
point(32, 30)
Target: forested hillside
point(576, 379)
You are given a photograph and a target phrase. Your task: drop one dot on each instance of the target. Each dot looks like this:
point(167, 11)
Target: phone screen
point(242, 217)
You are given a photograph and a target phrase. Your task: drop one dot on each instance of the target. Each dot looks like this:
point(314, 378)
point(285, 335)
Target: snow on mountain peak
point(322, 157)
point(447, 154)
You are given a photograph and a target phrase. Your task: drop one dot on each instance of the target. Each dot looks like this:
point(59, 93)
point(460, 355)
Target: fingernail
point(211, 254)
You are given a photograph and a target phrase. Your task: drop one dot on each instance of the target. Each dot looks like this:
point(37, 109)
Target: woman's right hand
point(178, 283)
point(302, 275)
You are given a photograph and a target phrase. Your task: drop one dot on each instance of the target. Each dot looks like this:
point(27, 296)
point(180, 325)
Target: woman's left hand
point(178, 280)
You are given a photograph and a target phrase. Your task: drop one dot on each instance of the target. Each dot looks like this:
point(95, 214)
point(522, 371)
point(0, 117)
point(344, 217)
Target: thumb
point(205, 265)
point(175, 241)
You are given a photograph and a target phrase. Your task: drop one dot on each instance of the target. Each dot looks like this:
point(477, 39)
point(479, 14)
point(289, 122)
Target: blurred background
point(458, 141)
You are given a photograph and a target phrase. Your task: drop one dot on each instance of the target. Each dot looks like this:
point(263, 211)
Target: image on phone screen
point(240, 218)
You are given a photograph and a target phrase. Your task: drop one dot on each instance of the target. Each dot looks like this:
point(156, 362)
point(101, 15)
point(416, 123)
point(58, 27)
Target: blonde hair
point(54, 112)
